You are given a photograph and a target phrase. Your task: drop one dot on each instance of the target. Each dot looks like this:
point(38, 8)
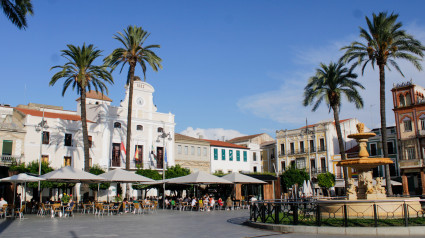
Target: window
point(312, 146)
point(390, 145)
point(245, 156)
point(192, 150)
point(410, 153)
point(282, 149)
point(179, 149)
point(46, 137)
point(283, 164)
point(255, 169)
point(302, 147)
point(223, 154)
point(229, 171)
point(199, 151)
point(90, 162)
point(422, 123)
point(373, 149)
point(254, 156)
point(292, 148)
point(90, 141)
point(160, 129)
point(67, 161)
point(322, 144)
point(117, 125)
point(402, 101)
point(205, 151)
point(215, 154)
point(7, 147)
point(68, 139)
point(186, 150)
point(116, 152)
point(45, 159)
point(300, 163)
point(230, 155)
point(138, 155)
point(408, 99)
point(407, 125)
point(139, 127)
point(238, 155)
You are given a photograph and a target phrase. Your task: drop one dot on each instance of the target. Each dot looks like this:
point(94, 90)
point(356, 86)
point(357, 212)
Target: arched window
point(407, 124)
point(408, 99)
point(117, 125)
point(401, 100)
point(160, 129)
point(139, 127)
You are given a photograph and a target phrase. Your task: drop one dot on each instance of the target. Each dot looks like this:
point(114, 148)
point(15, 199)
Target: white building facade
point(227, 157)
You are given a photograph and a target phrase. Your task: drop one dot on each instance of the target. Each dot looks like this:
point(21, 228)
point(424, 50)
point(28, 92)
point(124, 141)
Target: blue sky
point(230, 67)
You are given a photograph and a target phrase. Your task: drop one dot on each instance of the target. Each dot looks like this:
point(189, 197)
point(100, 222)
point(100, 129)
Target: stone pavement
point(162, 224)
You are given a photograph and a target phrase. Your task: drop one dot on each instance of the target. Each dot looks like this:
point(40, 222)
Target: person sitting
point(193, 204)
point(2, 202)
point(212, 203)
point(220, 203)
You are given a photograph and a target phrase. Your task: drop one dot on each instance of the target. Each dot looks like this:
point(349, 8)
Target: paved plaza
point(162, 224)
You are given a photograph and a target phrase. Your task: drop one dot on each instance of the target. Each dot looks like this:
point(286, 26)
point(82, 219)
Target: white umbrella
point(21, 178)
point(309, 191)
point(124, 176)
point(304, 188)
point(72, 175)
point(241, 178)
point(199, 177)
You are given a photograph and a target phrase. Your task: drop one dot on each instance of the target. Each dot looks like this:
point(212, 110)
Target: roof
point(179, 137)
point(96, 95)
point(243, 138)
point(38, 113)
point(340, 121)
point(225, 144)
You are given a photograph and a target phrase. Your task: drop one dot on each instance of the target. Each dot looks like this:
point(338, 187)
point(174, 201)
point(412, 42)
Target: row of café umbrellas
point(72, 175)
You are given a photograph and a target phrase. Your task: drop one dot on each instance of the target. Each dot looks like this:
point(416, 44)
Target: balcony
point(316, 171)
point(404, 164)
point(7, 160)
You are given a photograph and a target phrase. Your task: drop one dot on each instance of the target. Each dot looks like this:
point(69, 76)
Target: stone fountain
point(366, 194)
point(364, 165)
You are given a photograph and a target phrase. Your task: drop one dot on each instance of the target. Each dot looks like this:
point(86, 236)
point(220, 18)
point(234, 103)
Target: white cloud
point(212, 133)
point(283, 105)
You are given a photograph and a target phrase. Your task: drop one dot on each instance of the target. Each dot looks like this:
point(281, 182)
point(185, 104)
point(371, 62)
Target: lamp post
point(307, 132)
point(163, 135)
point(40, 128)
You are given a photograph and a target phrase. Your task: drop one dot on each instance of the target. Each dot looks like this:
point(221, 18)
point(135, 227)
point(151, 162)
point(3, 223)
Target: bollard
point(318, 217)
point(263, 213)
point(295, 213)
point(375, 215)
point(345, 215)
point(406, 214)
point(276, 213)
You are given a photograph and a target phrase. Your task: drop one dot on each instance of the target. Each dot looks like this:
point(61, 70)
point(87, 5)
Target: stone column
point(423, 181)
point(405, 184)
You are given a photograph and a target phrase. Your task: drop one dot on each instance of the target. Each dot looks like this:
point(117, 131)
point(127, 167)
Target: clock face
point(140, 101)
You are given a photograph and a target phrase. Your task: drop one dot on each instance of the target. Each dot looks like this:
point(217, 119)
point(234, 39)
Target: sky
point(230, 68)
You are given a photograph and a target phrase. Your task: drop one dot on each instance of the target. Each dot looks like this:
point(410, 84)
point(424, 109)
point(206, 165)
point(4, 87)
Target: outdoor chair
point(20, 212)
point(69, 211)
point(137, 208)
point(201, 207)
point(2, 212)
point(114, 208)
point(185, 205)
point(100, 209)
point(87, 207)
point(56, 210)
point(41, 210)
point(154, 206)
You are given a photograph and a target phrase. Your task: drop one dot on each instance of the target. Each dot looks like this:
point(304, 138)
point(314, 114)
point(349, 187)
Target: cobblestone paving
point(162, 224)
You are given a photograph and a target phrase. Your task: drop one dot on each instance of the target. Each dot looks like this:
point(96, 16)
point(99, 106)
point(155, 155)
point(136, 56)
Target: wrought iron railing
point(340, 213)
point(9, 159)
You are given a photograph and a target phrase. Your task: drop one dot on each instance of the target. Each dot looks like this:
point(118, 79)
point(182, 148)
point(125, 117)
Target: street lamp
point(307, 132)
point(163, 135)
point(40, 128)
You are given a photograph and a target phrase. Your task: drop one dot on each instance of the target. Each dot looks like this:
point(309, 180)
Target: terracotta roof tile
point(96, 95)
point(224, 144)
point(38, 113)
point(243, 138)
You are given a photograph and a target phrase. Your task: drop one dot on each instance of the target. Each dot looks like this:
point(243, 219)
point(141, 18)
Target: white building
point(62, 145)
point(227, 157)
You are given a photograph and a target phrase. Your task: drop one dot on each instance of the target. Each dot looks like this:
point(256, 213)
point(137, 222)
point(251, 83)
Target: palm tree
point(329, 84)
point(383, 43)
point(16, 11)
point(133, 53)
point(83, 75)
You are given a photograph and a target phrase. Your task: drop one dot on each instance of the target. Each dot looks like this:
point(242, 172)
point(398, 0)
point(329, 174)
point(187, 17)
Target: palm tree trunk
point(130, 110)
point(384, 126)
point(335, 108)
point(85, 131)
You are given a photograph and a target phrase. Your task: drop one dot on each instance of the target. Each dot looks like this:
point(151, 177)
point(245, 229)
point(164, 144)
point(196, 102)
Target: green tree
point(293, 176)
point(176, 171)
point(330, 84)
point(149, 173)
point(382, 43)
point(326, 180)
point(83, 75)
point(134, 52)
point(16, 11)
point(219, 173)
point(96, 170)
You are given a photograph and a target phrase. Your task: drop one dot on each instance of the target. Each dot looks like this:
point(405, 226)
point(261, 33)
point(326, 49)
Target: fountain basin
point(364, 163)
